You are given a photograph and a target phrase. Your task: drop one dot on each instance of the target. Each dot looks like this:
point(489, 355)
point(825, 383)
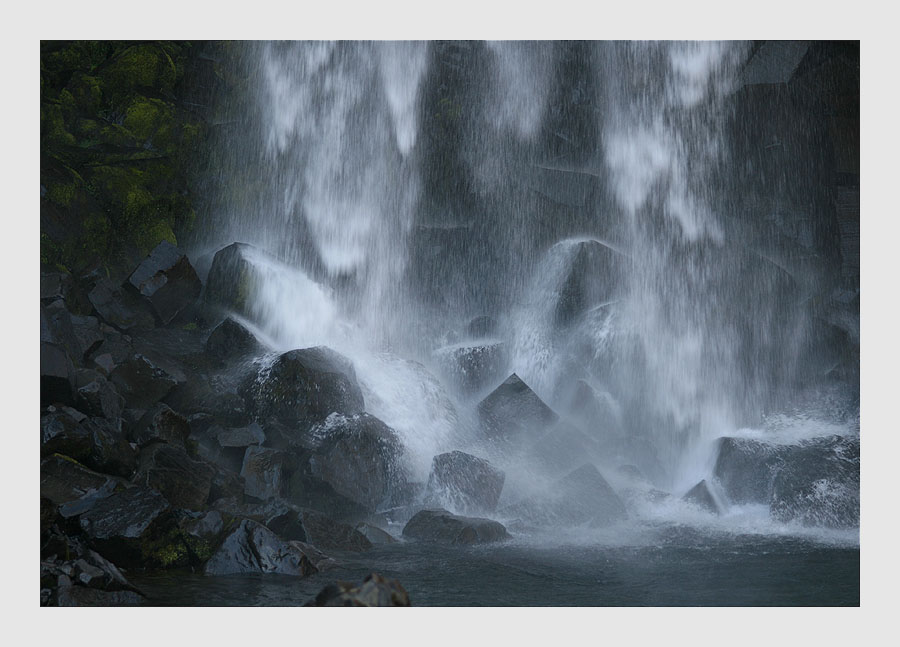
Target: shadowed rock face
point(440, 526)
point(701, 496)
point(167, 280)
point(468, 482)
point(253, 548)
point(512, 410)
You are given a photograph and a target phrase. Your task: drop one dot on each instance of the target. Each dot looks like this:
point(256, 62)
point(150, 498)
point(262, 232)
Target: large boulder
point(94, 442)
point(85, 579)
point(64, 479)
point(701, 496)
point(161, 424)
point(305, 386)
point(464, 482)
point(360, 457)
point(264, 472)
point(375, 591)
point(589, 281)
point(582, 497)
point(120, 307)
point(473, 366)
point(327, 534)
point(746, 469)
point(230, 340)
point(253, 548)
point(513, 410)
point(167, 280)
point(232, 278)
point(143, 381)
point(440, 526)
point(184, 482)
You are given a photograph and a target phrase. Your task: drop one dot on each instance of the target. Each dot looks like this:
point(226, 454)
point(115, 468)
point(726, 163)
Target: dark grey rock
point(440, 526)
point(161, 424)
point(513, 410)
point(99, 398)
point(305, 386)
point(481, 327)
point(375, 591)
point(263, 472)
point(253, 548)
point(95, 442)
point(327, 534)
point(701, 496)
point(473, 367)
point(375, 534)
point(252, 434)
point(229, 340)
point(464, 482)
point(57, 375)
point(64, 479)
point(590, 281)
point(143, 381)
point(120, 307)
point(167, 280)
point(232, 279)
point(184, 482)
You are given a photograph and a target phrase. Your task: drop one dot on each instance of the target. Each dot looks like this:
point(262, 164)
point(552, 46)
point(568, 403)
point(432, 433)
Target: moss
point(62, 194)
point(53, 127)
point(145, 65)
point(190, 326)
point(150, 121)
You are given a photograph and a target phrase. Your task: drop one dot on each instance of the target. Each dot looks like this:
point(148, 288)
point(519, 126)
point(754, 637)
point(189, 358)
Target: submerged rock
point(375, 591)
point(440, 526)
point(513, 410)
point(701, 496)
point(167, 280)
point(375, 534)
point(253, 548)
point(305, 386)
point(465, 482)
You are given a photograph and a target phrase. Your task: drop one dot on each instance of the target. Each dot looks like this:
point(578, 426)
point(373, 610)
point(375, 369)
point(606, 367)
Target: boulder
point(87, 334)
point(161, 424)
point(120, 307)
point(700, 496)
point(440, 526)
point(253, 548)
point(746, 469)
point(464, 482)
point(513, 410)
point(143, 381)
point(305, 386)
point(360, 457)
point(232, 279)
point(64, 479)
point(210, 397)
point(94, 442)
point(472, 367)
point(583, 497)
point(99, 398)
point(167, 280)
point(184, 482)
point(57, 375)
point(481, 327)
point(263, 471)
point(252, 434)
point(589, 281)
point(375, 534)
point(375, 591)
point(327, 534)
point(229, 340)
point(307, 491)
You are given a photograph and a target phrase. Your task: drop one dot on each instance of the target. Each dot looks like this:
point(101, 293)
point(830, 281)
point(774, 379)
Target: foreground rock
point(375, 591)
point(513, 410)
point(583, 497)
point(167, 280)
point(305, 386)
point(160, 424)
point(700, 496)
point(465, 482)
point(813, 481)
point(359, 456)
point(85, 579)
point(441, 526)
point(253, 548)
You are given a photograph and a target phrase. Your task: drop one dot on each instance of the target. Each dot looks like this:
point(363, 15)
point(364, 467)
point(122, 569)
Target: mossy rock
point(146, 65)
point(151, 122)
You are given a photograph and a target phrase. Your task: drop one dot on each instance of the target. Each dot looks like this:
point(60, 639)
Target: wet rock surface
point(253, 548)
point(701, 496)
point(466, 482)
point(374, 591)
point(513, 410)
point(167, 280)
point(440, 526)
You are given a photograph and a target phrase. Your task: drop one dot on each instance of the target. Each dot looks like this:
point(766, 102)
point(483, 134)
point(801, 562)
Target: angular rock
point(481, 327)
point(317, 558)
point(252, 434)
point(287, 523)
point(307, 491)
point(305, 386)
point(375, 591)
point(590, 280)
point(359, 456)
point(746, 469)
point(513, 410)
point(229, 340)
point(63, 479)
point(201, 396)
point(99, 398)
point(328, 534)
point(143, 381)
point(232, 279)
point(465, 482)
point(161, 424)
point(253, 548)
point(472, 367)
point(184, 482)
point(95, 442)
point(87, 334)
point(375, 534)
point(438, 525)
point(120, 307)
point(167, 280)
point(701, 496)
point(57, 375)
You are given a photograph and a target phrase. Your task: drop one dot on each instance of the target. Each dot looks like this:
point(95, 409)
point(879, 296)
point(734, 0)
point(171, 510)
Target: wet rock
point(230, 340)
point(184, 482)
point(305, 386)
point(232, 278)
point(562, 448)
point(287, 523)
point(105, 364)
point(375, 591)
point(590, 280)
point(310, 492)
point(746, 469)
point(161, 424)
point(52, 287)
point(99, 398)
point(359, 456)
point(199, 395)
point(596, 410)
point(95, 442)
point(143, 381)
point(440, 526)
point(252, 434)
point(253, 548)
point(481, 327)
point(465, 482)
point(317, 558)
point(120, 307)
point(57, 375)
point(263, 471)
point(88, 335)
point(84, 503)
point(64, 479)
point(375, 534)
point(122, 526)
point(513, 410)
point(701, 496)
point(583, 497)
point(225, 484)
point(327, 534)
point(167, 280)
point(473, 367)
